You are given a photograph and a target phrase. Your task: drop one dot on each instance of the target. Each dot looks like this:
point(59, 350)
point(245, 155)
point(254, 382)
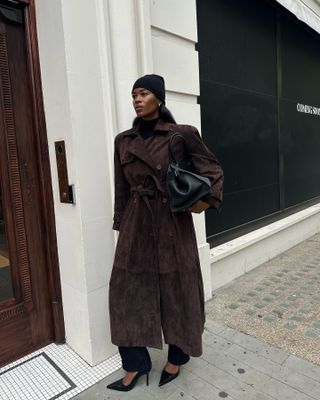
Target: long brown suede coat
point(156, 279)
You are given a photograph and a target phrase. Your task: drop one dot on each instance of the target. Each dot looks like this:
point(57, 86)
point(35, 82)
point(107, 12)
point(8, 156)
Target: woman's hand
point(198, 207)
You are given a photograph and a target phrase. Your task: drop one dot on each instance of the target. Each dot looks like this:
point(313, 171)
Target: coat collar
point(161, 126)
point(137, 145)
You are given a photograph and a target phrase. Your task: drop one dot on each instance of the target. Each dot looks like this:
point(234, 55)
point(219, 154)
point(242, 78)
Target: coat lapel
point(139, 149)
point(137, 145)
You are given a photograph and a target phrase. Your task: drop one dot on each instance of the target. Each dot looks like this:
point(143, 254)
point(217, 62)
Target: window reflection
point(5, 274)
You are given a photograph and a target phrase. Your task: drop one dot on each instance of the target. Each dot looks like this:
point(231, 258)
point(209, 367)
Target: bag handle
point(172, 158)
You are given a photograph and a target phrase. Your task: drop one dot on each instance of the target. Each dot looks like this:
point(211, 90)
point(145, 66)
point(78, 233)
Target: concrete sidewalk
point(234, 366)
point(259, 323)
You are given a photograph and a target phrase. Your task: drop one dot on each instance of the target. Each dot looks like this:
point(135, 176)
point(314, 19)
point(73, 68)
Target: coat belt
point(145, 193)
point(144, 190)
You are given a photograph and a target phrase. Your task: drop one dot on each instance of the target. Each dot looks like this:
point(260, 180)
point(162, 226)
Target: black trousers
point(138, 358)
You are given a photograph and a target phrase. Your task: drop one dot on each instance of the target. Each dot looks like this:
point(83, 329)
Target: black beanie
point(154, 83)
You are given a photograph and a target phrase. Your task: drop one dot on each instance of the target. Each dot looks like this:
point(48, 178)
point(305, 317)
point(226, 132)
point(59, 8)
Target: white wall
point(76, 78)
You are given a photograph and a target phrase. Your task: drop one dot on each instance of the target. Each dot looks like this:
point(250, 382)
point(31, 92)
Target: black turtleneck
point(146, 127)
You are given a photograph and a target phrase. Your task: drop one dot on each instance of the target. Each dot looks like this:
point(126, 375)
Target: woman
point(156, 283)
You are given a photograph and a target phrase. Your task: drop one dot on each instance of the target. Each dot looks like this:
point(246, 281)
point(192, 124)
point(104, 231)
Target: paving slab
point(303, 367)
point(279, 390)
point(226, 383)
point(293, 379)
point(237, 369)
point(255, 345)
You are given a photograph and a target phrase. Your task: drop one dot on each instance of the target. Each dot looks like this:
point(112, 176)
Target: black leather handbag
point(184, 186)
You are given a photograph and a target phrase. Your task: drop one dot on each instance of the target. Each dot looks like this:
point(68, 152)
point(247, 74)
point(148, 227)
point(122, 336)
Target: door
point(30, 305)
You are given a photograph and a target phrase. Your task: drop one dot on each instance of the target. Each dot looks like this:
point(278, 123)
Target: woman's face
point(145, 103)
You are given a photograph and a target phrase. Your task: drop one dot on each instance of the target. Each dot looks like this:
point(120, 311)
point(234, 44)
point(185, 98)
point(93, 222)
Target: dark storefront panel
point(238, 96)
point(300, 59)
point(236, 44)
point(300, 148)
point(257, 62)
point(243, 206)
point(243, 127)
point(299, 132)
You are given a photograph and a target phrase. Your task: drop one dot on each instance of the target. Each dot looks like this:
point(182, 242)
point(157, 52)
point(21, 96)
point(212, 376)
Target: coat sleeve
point(121, 190)
point(206, 164)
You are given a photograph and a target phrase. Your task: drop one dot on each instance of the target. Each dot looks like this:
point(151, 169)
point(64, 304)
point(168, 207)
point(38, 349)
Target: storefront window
point(260, 111)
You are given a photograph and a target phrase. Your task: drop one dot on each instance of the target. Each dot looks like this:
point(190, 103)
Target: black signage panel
point(300, 62)
point(243, 135)
point(236, 43)
point(300, 112)
point(260, 109)
point(300, 149)
point(238, 97)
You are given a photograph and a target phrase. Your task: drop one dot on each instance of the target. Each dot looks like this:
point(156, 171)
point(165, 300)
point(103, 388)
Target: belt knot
point(142, 191)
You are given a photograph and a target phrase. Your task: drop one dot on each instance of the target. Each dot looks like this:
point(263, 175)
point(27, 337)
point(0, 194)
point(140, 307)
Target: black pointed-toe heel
point(166, 377)
point(118, 385)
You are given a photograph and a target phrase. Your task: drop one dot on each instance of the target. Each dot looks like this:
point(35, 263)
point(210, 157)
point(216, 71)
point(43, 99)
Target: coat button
point(158, 167)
